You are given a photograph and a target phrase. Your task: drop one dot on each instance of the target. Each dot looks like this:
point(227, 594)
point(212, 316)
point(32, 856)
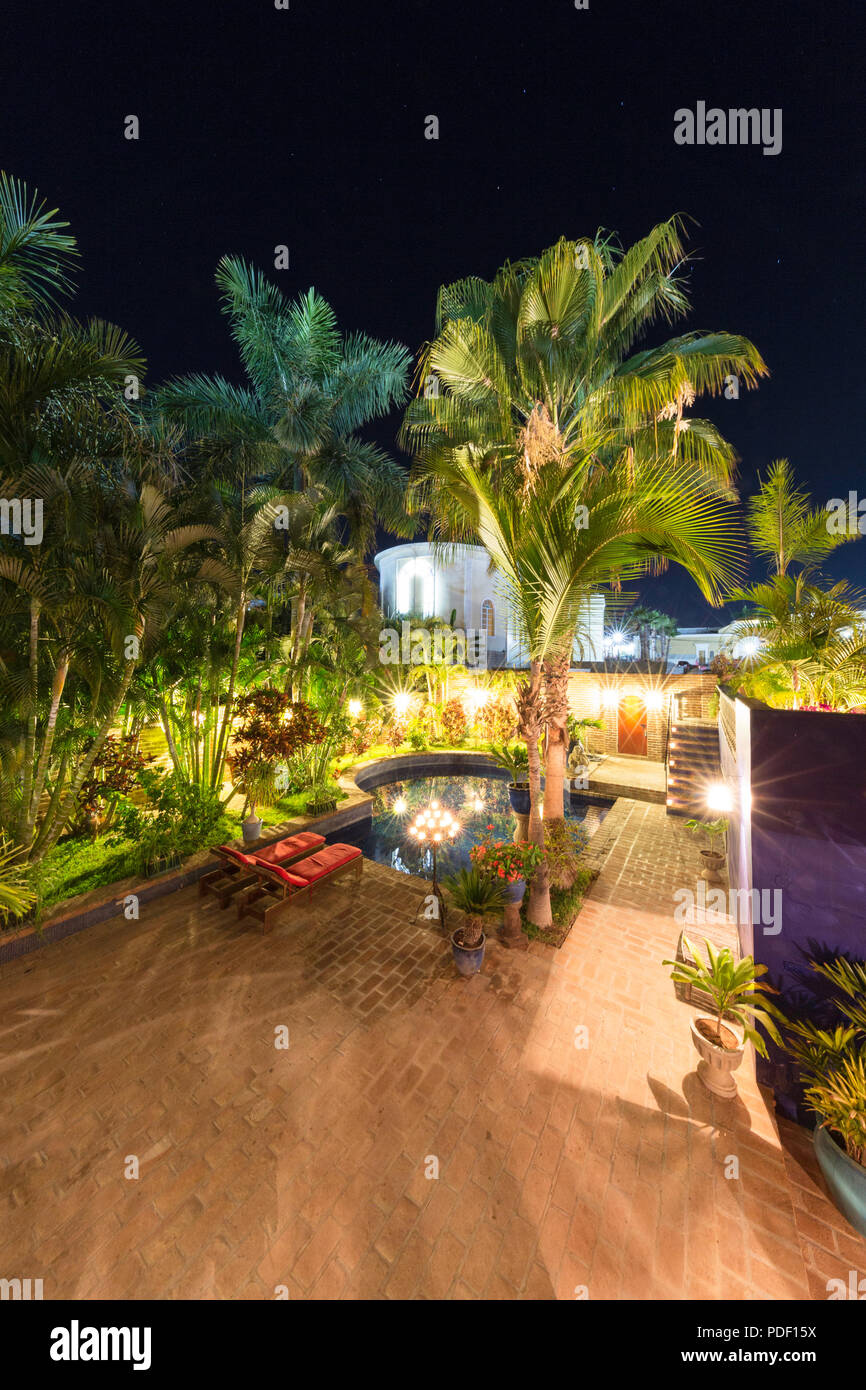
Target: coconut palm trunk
point(530, 727)
point(556, 672)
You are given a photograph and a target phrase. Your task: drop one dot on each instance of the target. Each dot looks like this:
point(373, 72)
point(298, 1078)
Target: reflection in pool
point(476, 802)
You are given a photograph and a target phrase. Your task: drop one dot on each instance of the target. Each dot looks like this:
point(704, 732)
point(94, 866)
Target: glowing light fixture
point(401, 806)
point(356, 709)
point(654, 699)
point(718, 797)
point(401, 702)
point(610, 696)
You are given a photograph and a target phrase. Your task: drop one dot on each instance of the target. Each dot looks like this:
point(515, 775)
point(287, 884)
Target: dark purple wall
point(808, 840)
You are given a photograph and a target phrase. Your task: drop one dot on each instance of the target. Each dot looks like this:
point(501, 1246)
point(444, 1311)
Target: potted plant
point(515, 760)
point(714, 860)
point(512, 864)
point(477, 895)
point(258, 785)
point(832, 1066)
point(738, 997)
point(321, 802)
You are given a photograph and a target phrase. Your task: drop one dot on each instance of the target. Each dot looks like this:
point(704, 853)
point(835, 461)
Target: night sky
point(306, 127)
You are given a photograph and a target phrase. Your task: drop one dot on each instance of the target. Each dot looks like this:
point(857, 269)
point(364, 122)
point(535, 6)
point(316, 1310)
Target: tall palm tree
point(536, 373)
point(550, 565)
point(310, 390)
point(784, 528)
point(60, 407)
point(539, 364)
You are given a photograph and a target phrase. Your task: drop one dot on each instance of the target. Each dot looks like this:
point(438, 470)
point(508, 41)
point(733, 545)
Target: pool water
point(477, 803)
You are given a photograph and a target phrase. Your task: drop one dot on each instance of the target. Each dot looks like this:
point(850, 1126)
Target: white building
point(459, 580)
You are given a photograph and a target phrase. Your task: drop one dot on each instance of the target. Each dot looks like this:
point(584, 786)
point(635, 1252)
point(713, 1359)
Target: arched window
point(488, 618)
point(415, 588)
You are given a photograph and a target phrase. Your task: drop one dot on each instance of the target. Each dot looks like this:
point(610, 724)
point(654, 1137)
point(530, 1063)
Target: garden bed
point(565, 905)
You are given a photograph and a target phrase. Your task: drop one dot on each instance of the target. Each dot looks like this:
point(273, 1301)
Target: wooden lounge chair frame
point(286, 890)
point(223, 883)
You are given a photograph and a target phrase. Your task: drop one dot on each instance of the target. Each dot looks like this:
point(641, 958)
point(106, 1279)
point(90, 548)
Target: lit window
point(415, 588)
point(488, 618)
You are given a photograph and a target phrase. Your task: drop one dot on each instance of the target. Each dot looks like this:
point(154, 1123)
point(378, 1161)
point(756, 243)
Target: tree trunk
point(530, 727)
point(67, 805)
point(169, 736)
point(57, 687)
point(30, 741)
point(556, 728)
point(222, 745)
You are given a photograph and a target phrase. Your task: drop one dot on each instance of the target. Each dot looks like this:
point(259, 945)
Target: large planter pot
point(717, 1064)
point(845, 1178)
point(468, 959)
point(519, 798)
point(713, 864)
point(252, 829)
point(514, 891)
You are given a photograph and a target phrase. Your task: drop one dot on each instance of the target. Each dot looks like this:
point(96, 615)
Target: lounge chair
point(238, 870)
point(283, 885)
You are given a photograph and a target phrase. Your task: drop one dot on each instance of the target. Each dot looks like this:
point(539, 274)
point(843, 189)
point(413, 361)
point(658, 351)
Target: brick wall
point(593, 695)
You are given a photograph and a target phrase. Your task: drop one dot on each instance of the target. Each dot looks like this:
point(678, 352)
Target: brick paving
point(561, 1168)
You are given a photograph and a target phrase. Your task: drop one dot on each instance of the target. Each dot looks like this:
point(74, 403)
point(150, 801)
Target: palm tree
point(310, 390)
point(810, 635)
point(784, 528)
point(655, 630)
point(535, 373)
point(815, 636)
point(36, 253)
point(549, 566)
point(60, 407)
point(539, 365)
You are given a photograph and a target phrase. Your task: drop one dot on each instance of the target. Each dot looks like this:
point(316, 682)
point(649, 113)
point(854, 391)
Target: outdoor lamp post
point(435, 826)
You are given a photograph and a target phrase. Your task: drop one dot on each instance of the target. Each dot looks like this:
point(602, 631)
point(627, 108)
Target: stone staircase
point(692, 764)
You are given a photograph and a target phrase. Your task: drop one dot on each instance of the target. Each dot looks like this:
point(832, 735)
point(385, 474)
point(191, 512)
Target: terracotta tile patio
point(560, 1168)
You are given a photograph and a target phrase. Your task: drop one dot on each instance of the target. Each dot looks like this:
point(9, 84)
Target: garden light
point(402, 702)
point(356, 709)
point(400, 806)
point(718, 797)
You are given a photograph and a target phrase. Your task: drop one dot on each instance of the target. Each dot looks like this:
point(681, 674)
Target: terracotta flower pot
point(717, 1064)
point(713, 864)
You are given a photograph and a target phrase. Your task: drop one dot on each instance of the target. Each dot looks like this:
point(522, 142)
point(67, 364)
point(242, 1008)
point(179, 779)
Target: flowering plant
point(506, 860)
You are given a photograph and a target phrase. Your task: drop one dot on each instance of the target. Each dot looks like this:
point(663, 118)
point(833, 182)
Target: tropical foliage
point(806, 641)
point(831, 1053)
point(196, 543)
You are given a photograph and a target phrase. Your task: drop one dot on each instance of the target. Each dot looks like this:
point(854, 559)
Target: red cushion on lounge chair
point(324, 861)
point(282, 873)
point(244, 860)
point(295, 844)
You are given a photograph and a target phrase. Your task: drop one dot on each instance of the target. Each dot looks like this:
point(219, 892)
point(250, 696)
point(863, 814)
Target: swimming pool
point(476, 802)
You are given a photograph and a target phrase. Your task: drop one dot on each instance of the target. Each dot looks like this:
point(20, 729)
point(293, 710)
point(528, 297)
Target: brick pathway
point(559, 1167)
